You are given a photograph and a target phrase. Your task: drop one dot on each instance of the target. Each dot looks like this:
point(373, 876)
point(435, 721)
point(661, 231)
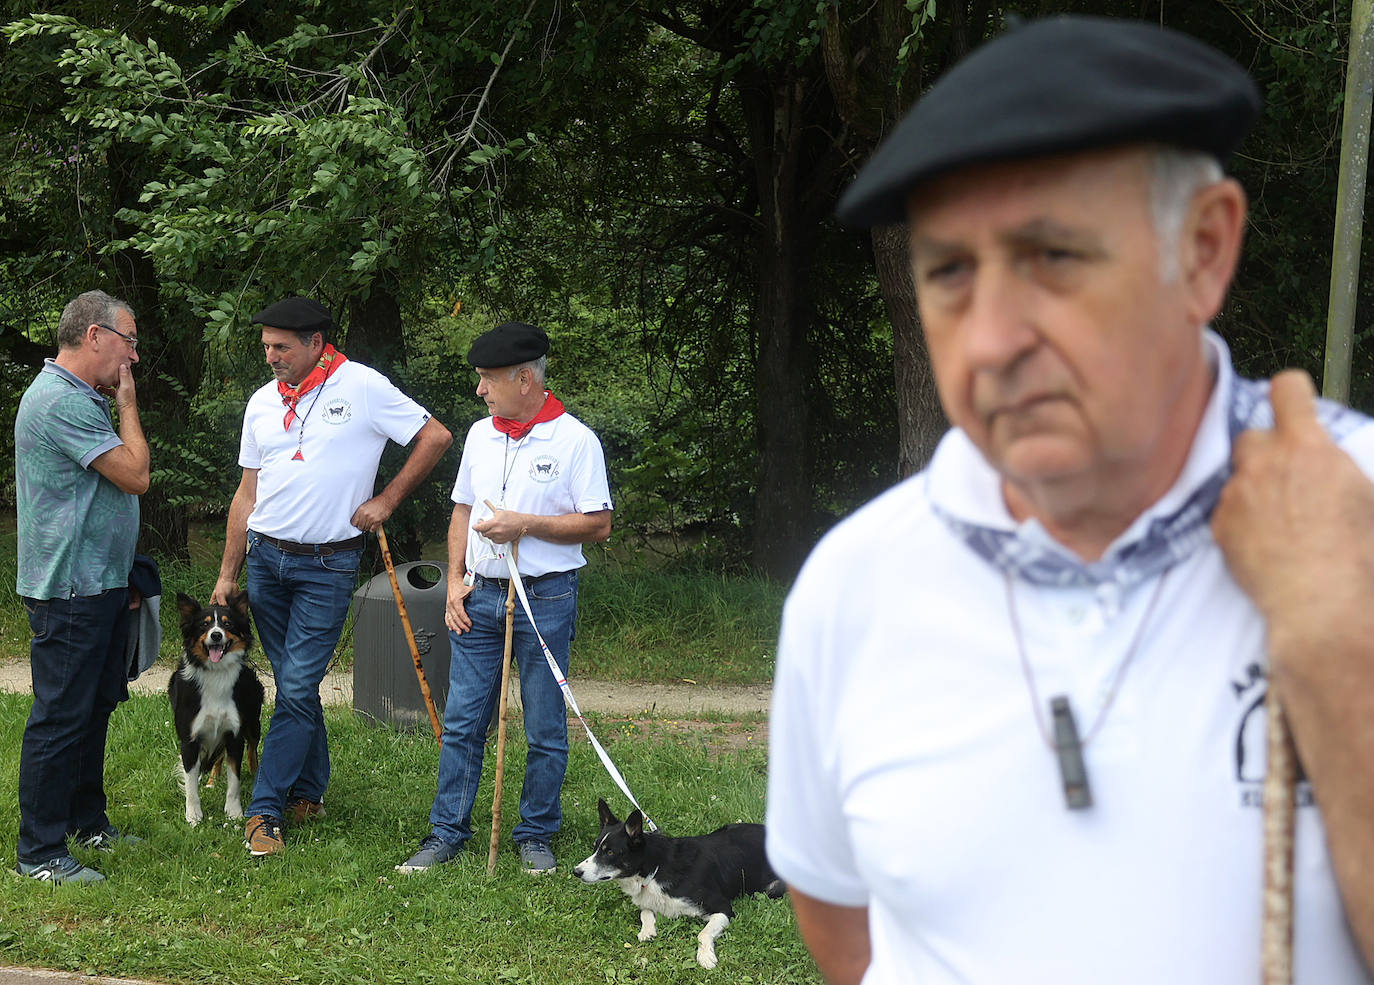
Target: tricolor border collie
point(216, 698)
point(681, 877)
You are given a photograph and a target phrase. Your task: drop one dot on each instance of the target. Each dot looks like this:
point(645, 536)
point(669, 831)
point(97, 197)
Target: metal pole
point(1345, 249)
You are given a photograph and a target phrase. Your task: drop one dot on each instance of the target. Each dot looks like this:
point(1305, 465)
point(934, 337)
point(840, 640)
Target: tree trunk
point(375, 328)
point(782, 501)
point(376, 338)
point(869, 95)
point(166, 357)
point(920, 419)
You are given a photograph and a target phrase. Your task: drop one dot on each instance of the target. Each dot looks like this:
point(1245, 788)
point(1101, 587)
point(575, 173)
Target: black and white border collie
point(681, 877)
point(216, 698)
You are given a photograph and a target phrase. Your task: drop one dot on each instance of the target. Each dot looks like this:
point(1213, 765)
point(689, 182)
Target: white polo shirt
point(907, 772)
point(556, 469)
point(347, 422)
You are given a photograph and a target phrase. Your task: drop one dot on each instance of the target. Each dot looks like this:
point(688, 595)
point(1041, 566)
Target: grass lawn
point(189, 905)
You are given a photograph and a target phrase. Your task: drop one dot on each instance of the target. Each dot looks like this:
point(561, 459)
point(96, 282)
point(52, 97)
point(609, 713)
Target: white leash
point(567, 690)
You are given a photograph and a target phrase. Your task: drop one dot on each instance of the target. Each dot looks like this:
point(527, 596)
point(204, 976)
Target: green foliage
point(612, 172)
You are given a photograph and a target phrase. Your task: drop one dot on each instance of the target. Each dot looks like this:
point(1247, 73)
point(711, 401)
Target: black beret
point(1057, 86)
point(508, 344)
point(296, 314)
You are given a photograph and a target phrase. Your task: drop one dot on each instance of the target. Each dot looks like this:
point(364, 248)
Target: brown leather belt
point(504, 583)
point(324, 550)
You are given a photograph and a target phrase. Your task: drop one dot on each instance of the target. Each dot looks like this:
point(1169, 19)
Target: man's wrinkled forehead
point(1037, 201)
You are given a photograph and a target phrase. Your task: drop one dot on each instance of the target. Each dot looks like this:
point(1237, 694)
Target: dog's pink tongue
point(216, 653)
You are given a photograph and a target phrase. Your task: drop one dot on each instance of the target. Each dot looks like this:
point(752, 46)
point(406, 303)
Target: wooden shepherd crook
point(504, 705)
point(1280, 782)
point(410, 638)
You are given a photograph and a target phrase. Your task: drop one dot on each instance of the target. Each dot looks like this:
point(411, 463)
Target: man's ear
point(1209, 247)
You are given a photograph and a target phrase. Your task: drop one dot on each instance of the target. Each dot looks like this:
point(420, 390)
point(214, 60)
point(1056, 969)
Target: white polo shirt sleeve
point(807, 837)
point(591, 492)
point(390, 411)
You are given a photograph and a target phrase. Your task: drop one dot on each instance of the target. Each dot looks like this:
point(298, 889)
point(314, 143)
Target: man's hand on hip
point(456, 615)
point(372, 514)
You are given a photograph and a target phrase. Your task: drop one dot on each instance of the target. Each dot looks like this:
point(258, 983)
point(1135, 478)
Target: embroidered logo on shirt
point(544, 468)
point(338, 411)
point(1251, 742)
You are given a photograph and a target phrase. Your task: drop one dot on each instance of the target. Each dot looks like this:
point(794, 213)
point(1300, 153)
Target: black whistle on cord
point(1069, 751)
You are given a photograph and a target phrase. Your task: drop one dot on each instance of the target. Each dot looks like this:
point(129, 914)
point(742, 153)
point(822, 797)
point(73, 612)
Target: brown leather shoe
point(299, 810)
point(262, 836)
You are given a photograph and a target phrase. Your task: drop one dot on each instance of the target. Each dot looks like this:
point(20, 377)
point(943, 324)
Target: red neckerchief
point(514, 429)
point(330, 360)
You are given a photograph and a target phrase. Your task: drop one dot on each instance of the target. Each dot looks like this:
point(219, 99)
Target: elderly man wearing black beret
point(1018, 726)
point(534, 473)
point(311, 443)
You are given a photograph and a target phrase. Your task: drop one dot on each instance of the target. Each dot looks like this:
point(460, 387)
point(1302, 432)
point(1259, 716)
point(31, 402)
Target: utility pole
point(1345, 249)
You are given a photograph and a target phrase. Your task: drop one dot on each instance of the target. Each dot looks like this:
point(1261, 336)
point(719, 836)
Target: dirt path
point(614, 698)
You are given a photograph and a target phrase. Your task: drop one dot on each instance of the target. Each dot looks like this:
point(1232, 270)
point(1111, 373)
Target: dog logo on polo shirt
point(544, 468)
point(1251, 747)
point(338, 411)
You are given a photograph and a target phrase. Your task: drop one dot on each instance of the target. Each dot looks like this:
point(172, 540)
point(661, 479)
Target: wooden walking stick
point(504, 705)
point(410, 638)
point(1280, 785)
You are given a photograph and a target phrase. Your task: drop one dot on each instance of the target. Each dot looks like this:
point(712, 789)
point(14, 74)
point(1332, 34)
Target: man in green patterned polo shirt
point(77, 484)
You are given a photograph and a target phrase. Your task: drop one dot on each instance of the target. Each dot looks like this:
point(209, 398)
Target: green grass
point(189, 905)
point(636, 622)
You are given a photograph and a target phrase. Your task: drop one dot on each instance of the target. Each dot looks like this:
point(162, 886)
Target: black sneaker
point(58, 871)
point(536, 858)
point(433, 851)
point(105, 840)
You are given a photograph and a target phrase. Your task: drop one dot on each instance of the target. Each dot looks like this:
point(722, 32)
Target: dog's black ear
point(604, 809)
point(238, 601)
point(634, 824)
point(187, 606)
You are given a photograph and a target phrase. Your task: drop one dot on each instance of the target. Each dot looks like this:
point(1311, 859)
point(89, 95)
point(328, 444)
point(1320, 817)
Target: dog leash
point(567, 690)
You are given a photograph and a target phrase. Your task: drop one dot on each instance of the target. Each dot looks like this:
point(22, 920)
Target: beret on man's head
point(1058, 86)
point(296, 314)
point(508, 344)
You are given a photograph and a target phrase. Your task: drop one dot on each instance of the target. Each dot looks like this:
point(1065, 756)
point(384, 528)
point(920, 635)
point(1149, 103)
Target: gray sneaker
point(105, 840)
point(58, 871)
point(536, 858)
point(433, 851)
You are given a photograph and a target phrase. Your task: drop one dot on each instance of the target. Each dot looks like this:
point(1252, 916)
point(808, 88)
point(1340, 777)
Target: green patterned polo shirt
point(77, 529)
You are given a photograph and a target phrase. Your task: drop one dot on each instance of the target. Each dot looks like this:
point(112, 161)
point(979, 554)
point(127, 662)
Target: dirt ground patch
point(712, 736)
point(726, 717)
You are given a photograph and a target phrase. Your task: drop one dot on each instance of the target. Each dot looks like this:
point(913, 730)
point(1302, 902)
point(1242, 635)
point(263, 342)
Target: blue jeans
point(473, 688)
point(79, 675)
point(299, 603)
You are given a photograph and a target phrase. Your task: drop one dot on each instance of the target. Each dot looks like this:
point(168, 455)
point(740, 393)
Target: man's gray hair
point(91, 308)
point(538, 369)
point(1176, 175)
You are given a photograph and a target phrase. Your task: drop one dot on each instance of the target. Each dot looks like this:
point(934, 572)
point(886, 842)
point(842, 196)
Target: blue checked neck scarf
point(1165, 541)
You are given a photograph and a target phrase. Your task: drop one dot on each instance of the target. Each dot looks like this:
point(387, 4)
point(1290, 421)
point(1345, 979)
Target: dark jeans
point(299, 603)
point(473, 689)
point(79, 675)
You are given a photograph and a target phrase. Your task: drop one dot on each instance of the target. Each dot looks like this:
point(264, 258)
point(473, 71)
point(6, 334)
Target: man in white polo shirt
point(1017, 727)
point(530, 471)
point(311, 443)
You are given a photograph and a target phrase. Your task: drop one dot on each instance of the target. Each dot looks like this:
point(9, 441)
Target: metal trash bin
point(385, 689)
